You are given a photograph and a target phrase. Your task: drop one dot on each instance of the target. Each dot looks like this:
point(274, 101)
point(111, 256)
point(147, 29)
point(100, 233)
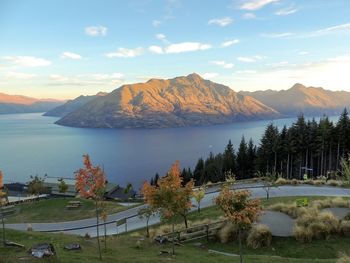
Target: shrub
point(290, 209)
point(318, 182)
point(347, 217)
point(227, 232)
point(344, 259)
point(344, 228)
point(302, 234)
point(29, 227)
point(294, 182)
point(281, 181)
point(333, 183)
point(315, 225)
point(259, 236)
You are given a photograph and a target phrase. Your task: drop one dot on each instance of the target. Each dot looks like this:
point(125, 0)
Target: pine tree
point(229, 159)
point(242, 158)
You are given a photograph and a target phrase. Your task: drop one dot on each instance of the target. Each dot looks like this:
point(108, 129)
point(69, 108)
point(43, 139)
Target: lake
point(32, 144)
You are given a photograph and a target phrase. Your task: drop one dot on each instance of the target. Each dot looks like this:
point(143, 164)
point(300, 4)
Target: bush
point(302, 234)
point(290, 209)
point(314, 225)
point(281, 181)
point(344, 259)
point(344, 228)
point(333, 183)
point(259, 236)
point(227, 232)
point(294, 182)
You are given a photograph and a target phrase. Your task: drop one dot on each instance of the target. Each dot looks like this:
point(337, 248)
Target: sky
point(63, 49)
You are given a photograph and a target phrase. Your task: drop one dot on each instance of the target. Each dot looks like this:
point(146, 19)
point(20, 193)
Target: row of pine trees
point(307, 147)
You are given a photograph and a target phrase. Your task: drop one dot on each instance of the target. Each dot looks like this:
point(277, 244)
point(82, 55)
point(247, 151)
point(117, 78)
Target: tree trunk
point(105, 229)
point(3, 229)
point(240, 245)
point(199, 207)
point(98, 230)
point(147, 227)
point(173, 238)
point(288, 167)
point(185, 220)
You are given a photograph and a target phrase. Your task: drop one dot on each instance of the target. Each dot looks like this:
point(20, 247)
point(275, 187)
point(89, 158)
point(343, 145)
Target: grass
point(130, 248)
point(54, 210)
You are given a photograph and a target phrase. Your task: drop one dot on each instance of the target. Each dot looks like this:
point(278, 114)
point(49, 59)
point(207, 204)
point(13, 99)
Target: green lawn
point(54, 210)
point(125, 249)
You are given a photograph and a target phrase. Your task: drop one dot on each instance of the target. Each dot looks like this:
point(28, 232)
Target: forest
point(306, 147)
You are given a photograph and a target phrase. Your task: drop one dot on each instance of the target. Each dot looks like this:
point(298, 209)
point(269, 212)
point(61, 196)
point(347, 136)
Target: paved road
point(136, 223)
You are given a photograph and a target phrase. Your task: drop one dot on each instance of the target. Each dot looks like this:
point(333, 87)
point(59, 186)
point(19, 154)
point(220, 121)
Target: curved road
point(133, 222)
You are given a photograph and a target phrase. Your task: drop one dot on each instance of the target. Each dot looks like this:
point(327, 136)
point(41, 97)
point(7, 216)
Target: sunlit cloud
point(96, 31)
point(343, 28)
point(256, 4)
point(96, 79)
point(27, 61)
point(223, 64)
point(209, 75)
point(179, 48)
point(286, 11)
point(125, 53)
point(71, 55)
point(277, 35)
point(225, 21)
point(250, 59)
point(19, 75)
point(230, 43)
point(248, 16)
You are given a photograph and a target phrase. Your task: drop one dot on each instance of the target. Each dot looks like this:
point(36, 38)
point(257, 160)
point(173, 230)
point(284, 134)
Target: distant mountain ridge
point(72, 105)
point(177, 102)
point(301, 99)
point(21, 104)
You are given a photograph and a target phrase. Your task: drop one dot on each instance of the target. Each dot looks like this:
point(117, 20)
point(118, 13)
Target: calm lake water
point(32, 144)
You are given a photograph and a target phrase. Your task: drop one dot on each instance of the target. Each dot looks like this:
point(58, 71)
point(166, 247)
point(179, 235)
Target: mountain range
point(21, 104)
point(312, 101)
point(158, 103)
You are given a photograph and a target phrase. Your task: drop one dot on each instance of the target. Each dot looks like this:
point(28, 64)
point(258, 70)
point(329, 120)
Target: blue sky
point(62, 49)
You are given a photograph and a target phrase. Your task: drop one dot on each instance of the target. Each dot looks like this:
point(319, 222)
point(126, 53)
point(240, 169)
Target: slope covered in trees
point(308, 146)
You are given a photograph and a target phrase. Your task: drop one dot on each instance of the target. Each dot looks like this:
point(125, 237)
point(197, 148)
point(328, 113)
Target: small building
point(120, 194)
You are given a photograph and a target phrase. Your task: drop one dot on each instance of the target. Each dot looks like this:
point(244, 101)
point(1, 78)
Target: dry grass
point(227, 233)
point(344, 259)
point(281, 181)
point(259, 236)
point(314, 225)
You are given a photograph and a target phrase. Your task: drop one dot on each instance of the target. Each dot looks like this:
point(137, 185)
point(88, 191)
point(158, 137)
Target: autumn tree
point(170, 197)
point(91, 183)
point(198, 196)
point(239, 209)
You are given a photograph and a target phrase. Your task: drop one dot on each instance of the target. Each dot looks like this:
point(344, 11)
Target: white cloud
point(57, 77)
point(27, 61)
point(245, 72)
point(248, 16)
point(223, 64)
point(331, 30)
point(95, 31)
point(71, 55)
point(225, 21)
point(230, 43)
point(107, 76)
point(250, 59)
point(156, 49)
point(286, 11)
point(256, 4)
point(301, 53)
point(19, 75)
point(209, 75)
point(156, 23)
point(277, 35)
point(125, 53)
point(161, 37)
point(185, 47)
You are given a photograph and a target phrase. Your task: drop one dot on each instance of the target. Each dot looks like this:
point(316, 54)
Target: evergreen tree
point(229, 159)
point(242, 160)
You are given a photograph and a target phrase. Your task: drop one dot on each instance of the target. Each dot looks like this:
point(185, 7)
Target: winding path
point(81, 227)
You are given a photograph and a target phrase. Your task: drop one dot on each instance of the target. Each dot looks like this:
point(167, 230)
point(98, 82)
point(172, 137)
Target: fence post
point(207, 230)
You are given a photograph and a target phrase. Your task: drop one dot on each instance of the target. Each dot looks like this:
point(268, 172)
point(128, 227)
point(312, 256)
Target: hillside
point(300, 99)
point(72, 105)
point(21, 104)
point(178, 102)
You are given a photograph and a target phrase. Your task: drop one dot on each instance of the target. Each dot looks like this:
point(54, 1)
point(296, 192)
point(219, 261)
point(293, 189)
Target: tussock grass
point(344, 228)
point(227, 233)
point(259, 236)
point(343, 259)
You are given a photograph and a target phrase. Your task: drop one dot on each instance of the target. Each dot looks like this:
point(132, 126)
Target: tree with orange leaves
point(170, 197)
point(3, 195)
point(239, 209)
point(91, 183)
